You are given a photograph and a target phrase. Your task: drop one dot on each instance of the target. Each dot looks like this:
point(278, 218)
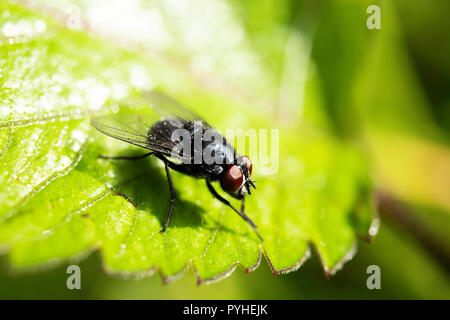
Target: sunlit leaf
point(59, 201)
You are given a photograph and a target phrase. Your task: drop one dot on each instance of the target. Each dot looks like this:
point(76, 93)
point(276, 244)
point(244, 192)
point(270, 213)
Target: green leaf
point(59, 201)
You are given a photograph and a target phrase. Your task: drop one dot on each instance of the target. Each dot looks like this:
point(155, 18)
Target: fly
point(161, 137)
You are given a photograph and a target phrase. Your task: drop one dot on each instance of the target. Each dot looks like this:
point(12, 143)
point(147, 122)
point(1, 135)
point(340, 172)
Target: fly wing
point(147, 130)
point(136, 130)
point(169, 108)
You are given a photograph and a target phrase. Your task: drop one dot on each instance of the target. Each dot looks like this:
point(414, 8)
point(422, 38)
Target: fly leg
point(172, 197)
point(241, 213)
point(174, 166)
point(127, 157)
point(169, 179)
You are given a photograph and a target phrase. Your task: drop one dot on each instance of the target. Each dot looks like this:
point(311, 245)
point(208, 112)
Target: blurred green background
point(385, 90)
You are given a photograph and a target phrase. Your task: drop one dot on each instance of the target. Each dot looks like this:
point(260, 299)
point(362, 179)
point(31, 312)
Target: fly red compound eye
point(232, 179)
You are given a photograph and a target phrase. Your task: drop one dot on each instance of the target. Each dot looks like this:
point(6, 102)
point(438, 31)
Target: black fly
point(233, 171)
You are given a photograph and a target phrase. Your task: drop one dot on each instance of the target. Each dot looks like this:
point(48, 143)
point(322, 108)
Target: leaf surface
point(59, 201)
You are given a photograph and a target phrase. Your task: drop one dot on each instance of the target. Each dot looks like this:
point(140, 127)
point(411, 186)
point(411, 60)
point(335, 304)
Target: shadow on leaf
point(146, 187)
